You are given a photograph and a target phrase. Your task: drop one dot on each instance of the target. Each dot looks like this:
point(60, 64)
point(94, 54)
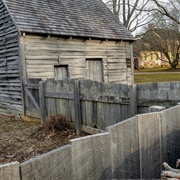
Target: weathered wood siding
point(10, 84)
point(40, 54)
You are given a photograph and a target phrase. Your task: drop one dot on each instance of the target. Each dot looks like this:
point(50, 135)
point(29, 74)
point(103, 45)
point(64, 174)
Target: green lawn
point(161, 69)
point(153, 76)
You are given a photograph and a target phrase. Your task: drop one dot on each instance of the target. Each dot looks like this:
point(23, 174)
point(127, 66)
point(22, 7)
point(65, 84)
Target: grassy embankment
point(164, 74)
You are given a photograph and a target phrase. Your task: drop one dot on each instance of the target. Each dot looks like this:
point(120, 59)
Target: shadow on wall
point(171, 147)
point(151, 159)
point(141, 144)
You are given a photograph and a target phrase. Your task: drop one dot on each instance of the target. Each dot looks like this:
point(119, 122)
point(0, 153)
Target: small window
point(151, 56)
point(94, 69)
point(61, 71)
point(128, 62)
point(145, 56)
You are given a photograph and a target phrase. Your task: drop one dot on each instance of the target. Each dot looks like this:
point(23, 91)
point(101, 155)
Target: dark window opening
point(128, 62)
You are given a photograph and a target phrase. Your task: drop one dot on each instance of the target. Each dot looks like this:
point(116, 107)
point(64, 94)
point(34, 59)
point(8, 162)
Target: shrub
point(55, 124)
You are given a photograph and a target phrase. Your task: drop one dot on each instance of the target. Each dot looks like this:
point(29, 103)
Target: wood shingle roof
point(80, 18)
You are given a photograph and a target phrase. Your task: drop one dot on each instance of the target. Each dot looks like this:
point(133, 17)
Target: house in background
point(79, 39)
point(151, 57)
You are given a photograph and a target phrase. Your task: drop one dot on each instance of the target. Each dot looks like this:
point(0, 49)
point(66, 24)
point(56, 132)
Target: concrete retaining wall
point(132, 149)
point(91, 157)
point(125, 149)
point(171, 135)
point(52, 165)
point(10, 171)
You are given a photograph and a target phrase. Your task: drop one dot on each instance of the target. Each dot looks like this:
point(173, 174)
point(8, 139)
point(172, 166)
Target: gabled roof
point(137, 47)
point(155, 37)
point(80, 18)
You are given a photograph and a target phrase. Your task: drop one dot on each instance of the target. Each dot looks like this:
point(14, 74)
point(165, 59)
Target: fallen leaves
point(21, 140)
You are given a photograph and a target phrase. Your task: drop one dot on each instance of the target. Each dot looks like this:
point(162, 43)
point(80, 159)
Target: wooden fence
point(83, 102)
point(96, 104)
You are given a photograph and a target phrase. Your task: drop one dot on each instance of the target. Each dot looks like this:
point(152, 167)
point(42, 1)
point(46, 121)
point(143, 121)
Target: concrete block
point(124, 149)
point(55, 164)
point(170, 135)
point(156, 108)
point(10, 171)
point(142, 91)
point(91, 157)
point(163, 90)
point(82, 157)
point(102, 156)
point(149, 127)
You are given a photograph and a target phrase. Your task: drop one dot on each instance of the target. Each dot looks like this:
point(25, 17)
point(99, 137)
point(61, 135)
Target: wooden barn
point(79, 39)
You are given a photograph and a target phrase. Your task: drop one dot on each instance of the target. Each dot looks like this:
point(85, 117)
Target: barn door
point(60, 72)
point(94, 69)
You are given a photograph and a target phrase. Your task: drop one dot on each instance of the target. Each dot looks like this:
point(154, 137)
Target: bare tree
point(169, 8)
point(134, 14)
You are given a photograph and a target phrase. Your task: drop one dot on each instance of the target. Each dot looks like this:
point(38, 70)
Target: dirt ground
point(21, 140)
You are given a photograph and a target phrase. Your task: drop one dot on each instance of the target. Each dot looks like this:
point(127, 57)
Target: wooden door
point(94, 69)
point(60, 72)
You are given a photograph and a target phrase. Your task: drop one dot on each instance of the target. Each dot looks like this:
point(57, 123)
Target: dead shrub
point(55, 124)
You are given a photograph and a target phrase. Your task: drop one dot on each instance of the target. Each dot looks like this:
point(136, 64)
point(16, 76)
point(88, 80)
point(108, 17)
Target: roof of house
point(137, 47)
point(80, 18)
point(154, 37)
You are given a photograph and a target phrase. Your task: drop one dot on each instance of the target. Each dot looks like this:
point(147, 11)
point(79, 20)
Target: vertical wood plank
point(22, 71)
point(42, 102)
point(77, 107)
point(133, 100)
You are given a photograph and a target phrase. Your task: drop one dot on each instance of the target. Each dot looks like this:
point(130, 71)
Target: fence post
point(133, 100)
point(77, 107)
point(42, 102)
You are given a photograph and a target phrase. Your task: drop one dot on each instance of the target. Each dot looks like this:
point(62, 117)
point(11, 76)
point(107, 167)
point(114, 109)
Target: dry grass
point(21, 140)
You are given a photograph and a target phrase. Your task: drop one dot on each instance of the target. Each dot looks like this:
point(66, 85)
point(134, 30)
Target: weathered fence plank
point(77, 107)
point(42, 102)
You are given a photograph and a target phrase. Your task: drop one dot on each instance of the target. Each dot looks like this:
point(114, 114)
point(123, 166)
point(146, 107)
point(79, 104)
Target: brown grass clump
point(56, 124)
